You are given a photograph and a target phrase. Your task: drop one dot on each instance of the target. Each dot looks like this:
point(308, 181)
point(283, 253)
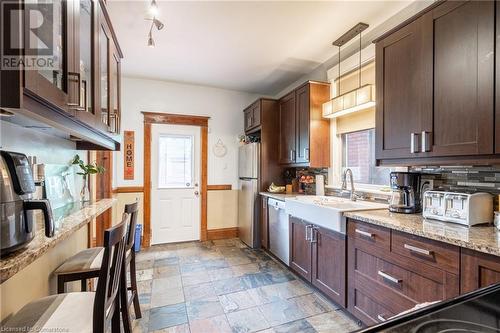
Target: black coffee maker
point(405, 196)
point(17, 224)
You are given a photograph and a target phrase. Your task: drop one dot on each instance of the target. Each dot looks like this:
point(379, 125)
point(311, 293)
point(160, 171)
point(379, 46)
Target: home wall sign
point(128, 155)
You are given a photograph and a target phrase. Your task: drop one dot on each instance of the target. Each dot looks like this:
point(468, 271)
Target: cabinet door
point(83, 71)
point(264, 224)
point(329, 264)
point(303, 124)
point(103, 114)
point(256, 114)
point(247, 115)
point(300, 248)
point(464, 44)
point(403, 89)
point(287, 146)
point(51, 81)
point(478, 270)
point(115, 92)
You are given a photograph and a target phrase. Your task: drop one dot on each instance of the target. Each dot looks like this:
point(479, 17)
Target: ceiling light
point(153, 8)
point(151, 41)
point(158, 23)
point(355, 100)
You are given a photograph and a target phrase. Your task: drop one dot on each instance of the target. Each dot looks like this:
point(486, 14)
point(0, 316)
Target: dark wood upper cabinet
point(464, 41)
point(300, 248)
point(252, 115)
point(478, 270)
point(403, 89)
point(69, 96)
point(497, 81)
point(287, 129)
point(304, 133)
point(435, 84)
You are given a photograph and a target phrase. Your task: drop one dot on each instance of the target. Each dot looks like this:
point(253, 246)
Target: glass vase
point(85, 192)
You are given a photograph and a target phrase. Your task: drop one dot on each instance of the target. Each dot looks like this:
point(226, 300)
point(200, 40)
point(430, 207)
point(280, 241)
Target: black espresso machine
point(17, 225)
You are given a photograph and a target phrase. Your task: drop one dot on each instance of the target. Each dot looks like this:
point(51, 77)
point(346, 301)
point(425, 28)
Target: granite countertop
point(280, 196)
point(68, 221)
point(482, 238)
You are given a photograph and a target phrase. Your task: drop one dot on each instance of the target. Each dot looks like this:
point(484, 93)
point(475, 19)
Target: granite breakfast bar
point(27, 273)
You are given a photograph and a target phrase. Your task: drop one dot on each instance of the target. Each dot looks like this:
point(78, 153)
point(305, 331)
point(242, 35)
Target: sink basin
point(327, 212)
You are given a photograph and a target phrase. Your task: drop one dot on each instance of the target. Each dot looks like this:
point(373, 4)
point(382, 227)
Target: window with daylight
point(175, 158)
point(358, 154)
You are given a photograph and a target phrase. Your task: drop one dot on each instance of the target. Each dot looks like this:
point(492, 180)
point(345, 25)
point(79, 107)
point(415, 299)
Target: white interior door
point(175, 176)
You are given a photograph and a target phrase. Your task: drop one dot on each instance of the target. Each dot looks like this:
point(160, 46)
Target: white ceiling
point(257, 47)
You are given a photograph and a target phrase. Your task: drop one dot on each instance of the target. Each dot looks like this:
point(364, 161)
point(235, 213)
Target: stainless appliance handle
point(417, 250)
point(389, 277)
point(426, 147)
point(414, 143)
point(364, 233)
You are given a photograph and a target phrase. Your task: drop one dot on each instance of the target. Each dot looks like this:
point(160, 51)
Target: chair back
point(106, 299)
point(132, 210)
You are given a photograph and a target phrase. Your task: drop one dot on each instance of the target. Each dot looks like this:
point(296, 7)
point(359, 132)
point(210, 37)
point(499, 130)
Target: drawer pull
point(364, 233)
point(389, 277)
point(417, 250)
point(381, 318)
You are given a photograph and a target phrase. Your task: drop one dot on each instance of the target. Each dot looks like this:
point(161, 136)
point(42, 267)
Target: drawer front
point(437, 254)
point(406, 283)
point(367, 309)
point(371, 234)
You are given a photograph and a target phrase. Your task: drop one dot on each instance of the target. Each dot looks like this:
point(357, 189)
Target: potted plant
point(86, 170)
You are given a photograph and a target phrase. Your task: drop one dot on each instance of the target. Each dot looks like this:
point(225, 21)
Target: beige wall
point(36, 280)
point(222, 211)
point(126, 198)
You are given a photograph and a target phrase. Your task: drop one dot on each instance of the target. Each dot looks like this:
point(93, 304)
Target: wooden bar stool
point(85, 265)
point(81, 311)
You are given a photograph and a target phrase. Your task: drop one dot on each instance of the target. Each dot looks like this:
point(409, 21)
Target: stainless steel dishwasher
point(279, 238)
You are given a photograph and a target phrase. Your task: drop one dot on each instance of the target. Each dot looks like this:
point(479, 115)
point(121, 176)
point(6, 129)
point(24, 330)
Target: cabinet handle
point(389, 277)
point(417, 250)
point(381, 318)
point(292, 155)
point(426, 147)
point(77, 106)
point(414, 143)
point(364, 233)
point(314, 234)
point(306, 154)
point(307, 232)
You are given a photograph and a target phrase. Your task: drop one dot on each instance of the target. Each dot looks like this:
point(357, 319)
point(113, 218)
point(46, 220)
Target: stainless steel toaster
point(463, 208)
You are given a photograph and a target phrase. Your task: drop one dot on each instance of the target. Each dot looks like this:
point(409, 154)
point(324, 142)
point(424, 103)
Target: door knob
point(196, 193)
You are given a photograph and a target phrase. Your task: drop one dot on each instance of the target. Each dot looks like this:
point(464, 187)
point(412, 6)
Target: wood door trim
point(129, 189)
point(222, 233)
point(224, 187)
point(174, 119)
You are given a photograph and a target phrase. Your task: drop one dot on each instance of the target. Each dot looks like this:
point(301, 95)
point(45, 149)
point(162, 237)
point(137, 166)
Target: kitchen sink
point(327, 212)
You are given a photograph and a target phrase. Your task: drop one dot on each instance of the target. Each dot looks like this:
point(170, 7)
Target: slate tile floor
point(223, 286)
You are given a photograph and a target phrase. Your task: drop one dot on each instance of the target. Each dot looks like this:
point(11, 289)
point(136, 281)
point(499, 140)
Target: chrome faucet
point(352, 195)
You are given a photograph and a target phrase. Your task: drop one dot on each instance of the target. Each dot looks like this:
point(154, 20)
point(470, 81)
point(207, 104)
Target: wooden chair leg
point(61, 284)
point(115, 320)
point(133, 283)
point(123, 295)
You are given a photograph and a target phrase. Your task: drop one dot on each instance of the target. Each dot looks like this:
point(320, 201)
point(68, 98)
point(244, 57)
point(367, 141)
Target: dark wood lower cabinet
point(329, 264)
point(478, 270)
point(300, 248)
point(319, 256)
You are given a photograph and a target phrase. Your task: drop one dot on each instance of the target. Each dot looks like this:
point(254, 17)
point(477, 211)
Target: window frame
point(183, 136)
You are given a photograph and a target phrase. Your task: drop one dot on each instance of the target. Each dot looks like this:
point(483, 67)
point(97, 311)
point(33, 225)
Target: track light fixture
point(153, 9)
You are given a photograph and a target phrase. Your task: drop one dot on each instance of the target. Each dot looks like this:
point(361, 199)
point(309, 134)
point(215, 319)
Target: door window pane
point(359, 156)
point(175, 161)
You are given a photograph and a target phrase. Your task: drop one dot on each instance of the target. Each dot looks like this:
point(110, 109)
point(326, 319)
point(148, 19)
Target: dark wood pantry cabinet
point(319, 256)
point(72, 98)
point(435, 84)
point(304, 134)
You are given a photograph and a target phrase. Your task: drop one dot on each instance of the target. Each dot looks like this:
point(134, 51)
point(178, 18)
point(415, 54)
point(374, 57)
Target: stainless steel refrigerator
point(248, 207)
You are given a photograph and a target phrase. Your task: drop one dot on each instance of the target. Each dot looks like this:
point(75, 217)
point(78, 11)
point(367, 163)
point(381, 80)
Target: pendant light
point(153, 8)
point(358, 99)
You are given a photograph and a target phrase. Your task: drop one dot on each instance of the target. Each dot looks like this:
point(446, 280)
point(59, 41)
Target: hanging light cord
point(359, 79)
point(338, 93)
